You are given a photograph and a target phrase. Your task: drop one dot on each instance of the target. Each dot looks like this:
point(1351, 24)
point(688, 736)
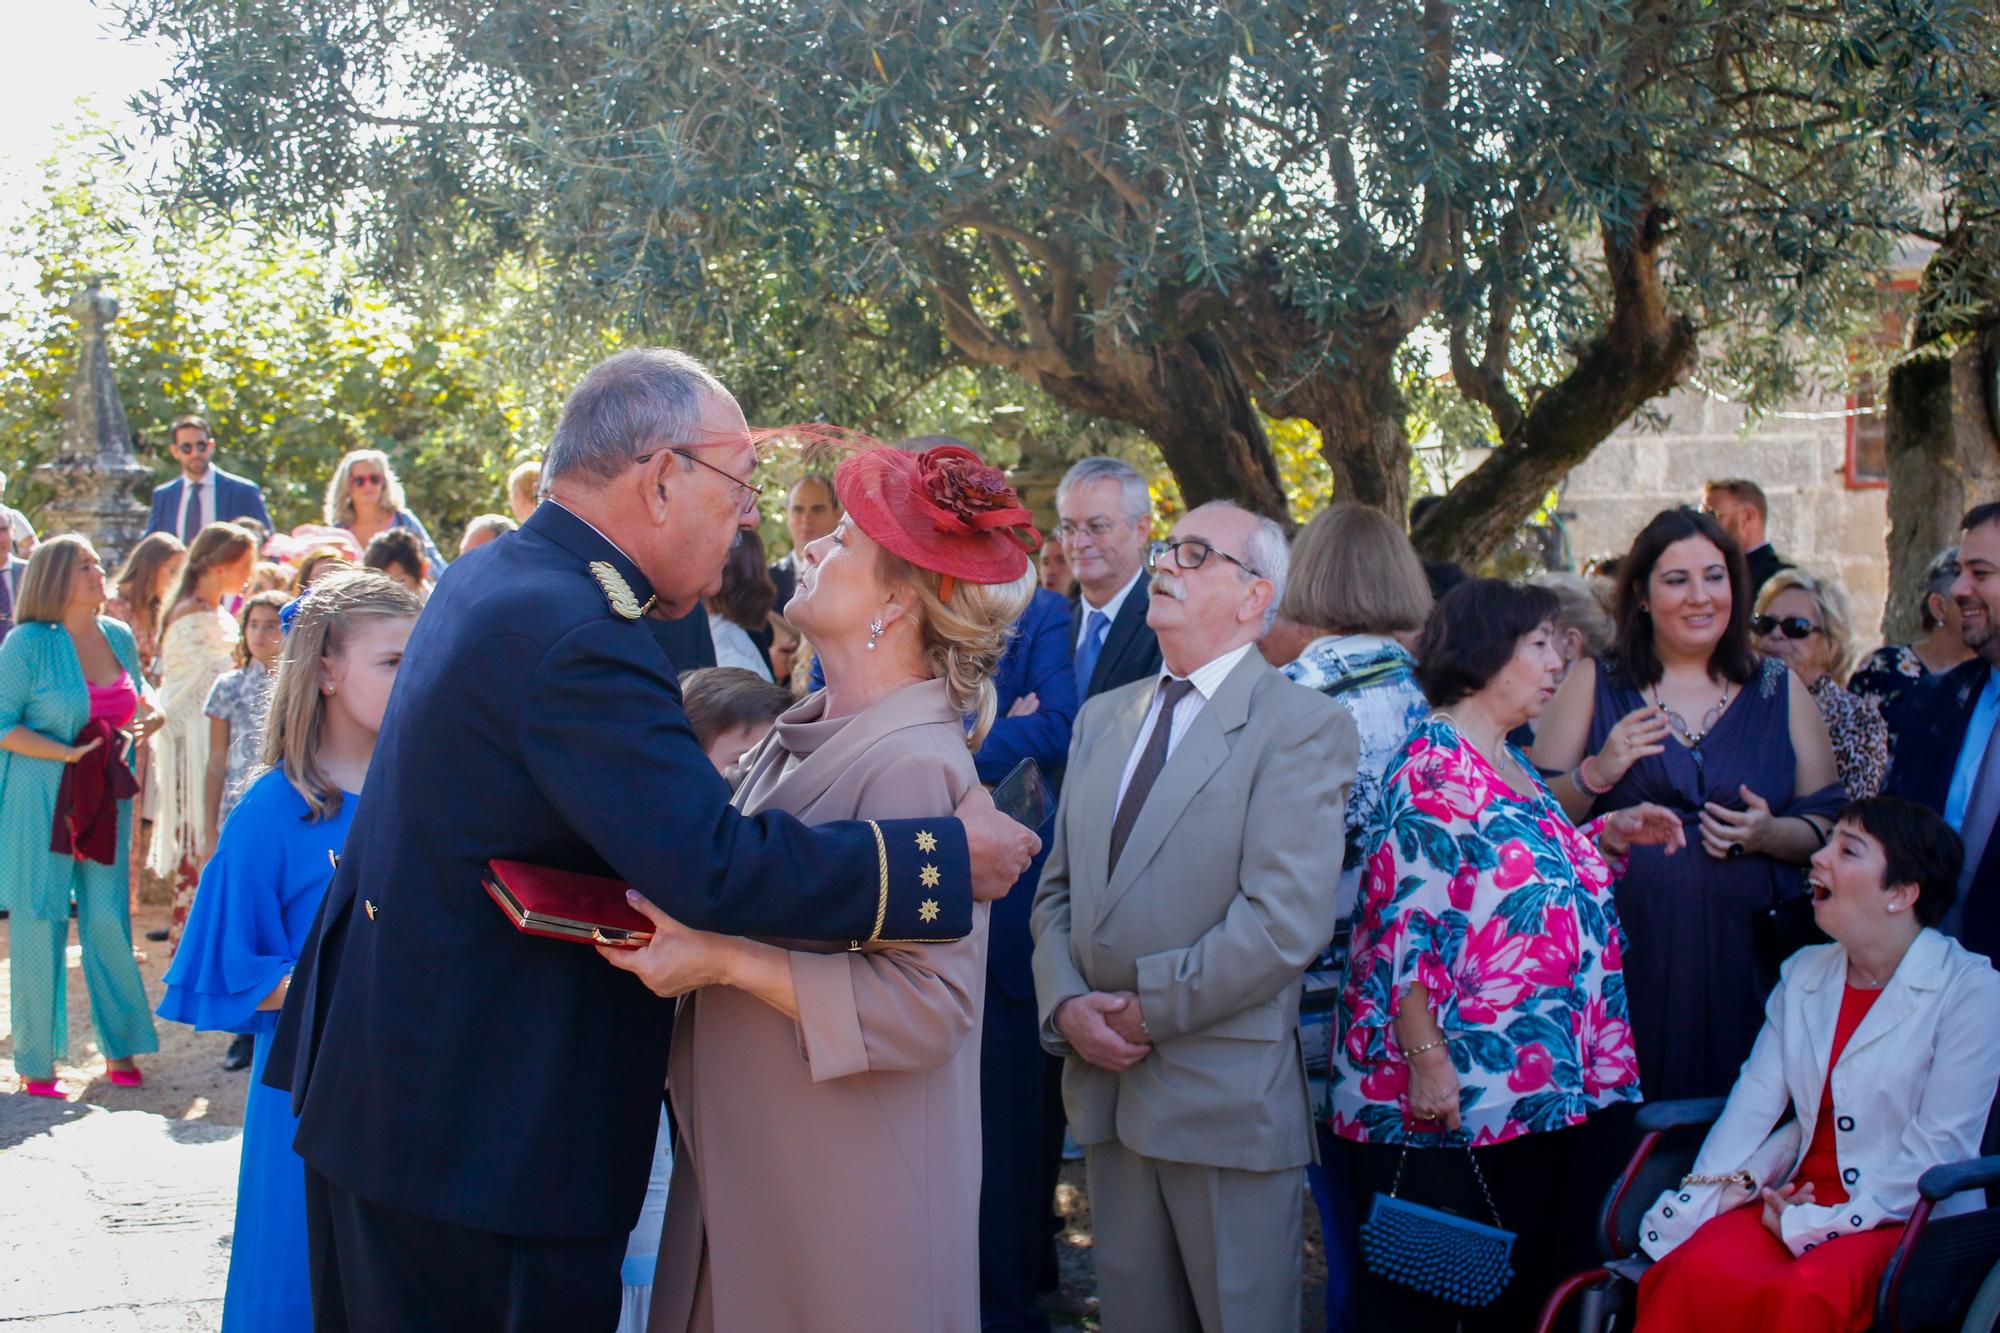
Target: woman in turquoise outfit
point(261, 891)
point(63, 666)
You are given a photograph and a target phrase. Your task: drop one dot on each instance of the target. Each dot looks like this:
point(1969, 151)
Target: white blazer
point(1911, 1092)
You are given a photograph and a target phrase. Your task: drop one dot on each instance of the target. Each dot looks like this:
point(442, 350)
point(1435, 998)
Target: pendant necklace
point(1678, 724)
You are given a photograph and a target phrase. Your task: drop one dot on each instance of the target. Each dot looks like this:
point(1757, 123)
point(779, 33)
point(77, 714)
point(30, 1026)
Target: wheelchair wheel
point(1984, 1315)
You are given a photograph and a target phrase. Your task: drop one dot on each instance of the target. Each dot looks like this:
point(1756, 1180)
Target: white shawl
point(194, 651)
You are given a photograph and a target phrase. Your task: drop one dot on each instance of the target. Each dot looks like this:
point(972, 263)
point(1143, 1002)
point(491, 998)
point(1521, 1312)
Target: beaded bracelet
point(1419, 1050)
point(1584, 784)
point(1742, 1177)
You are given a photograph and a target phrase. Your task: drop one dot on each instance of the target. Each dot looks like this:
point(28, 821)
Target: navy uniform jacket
point(1929, 722)
point(443, 1064)
point(1037, 662)
point(235, 497)
point(1131, 650)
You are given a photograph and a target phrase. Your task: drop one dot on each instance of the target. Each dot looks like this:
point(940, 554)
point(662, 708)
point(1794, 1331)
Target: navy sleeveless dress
point(1691, 974)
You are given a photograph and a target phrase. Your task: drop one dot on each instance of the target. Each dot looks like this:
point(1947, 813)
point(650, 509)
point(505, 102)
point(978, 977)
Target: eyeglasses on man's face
point(1192, 553)
point(189, 448)
point(1097, 529)
point(1792, 627)
point(751, 493)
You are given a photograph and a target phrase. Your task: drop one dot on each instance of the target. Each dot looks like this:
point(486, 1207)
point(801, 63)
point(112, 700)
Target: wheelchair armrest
point(1941, 1182)
point(1656, 1117)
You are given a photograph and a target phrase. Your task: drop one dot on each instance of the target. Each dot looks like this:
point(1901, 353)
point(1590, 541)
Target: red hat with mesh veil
point(944, 510)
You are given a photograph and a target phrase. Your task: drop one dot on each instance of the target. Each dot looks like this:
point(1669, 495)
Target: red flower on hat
point(966, 493)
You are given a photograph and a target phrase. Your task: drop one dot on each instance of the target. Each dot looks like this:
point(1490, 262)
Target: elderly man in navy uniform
point(477, 1106)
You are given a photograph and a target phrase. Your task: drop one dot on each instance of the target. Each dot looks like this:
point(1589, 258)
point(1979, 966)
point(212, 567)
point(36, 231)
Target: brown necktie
point(1151, 761)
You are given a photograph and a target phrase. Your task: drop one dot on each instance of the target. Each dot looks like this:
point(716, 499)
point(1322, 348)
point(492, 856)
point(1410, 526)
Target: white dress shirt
point(207, 488)
point(1109, 610)
point(1206, 679)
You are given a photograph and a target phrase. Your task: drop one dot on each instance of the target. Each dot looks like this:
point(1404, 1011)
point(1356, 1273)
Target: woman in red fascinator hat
point(856, 1201)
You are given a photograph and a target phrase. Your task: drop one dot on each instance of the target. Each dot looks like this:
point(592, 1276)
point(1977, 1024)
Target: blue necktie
point(1095, 626)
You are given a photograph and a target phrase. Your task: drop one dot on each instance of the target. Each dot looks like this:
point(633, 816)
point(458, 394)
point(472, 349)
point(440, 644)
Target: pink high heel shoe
point(127, 1078)
point(38, 1087)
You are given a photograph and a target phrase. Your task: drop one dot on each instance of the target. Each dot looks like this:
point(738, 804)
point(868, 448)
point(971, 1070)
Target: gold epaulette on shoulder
point(618, 592)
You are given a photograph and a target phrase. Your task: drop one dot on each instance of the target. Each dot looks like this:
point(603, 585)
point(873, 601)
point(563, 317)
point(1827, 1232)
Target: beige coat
point(1222, 898)
point(827, 1173)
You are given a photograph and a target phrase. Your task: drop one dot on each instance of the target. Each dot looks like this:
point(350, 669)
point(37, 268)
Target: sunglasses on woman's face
point(1792, 627)
point(360, 479)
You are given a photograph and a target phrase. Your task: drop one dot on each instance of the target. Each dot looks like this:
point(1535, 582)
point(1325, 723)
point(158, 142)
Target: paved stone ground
point(112, 1220)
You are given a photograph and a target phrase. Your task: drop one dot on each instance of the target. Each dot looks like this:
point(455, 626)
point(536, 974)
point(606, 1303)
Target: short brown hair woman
point(1683, 713)
point(66, 669)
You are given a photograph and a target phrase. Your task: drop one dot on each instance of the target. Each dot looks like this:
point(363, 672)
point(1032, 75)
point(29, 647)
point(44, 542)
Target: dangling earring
point(874, 632)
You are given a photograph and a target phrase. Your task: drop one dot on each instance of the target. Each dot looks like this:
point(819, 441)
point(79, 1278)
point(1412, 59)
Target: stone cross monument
point(98, 481)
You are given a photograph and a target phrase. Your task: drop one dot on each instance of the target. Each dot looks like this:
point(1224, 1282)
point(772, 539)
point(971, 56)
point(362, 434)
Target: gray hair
point(627, 405)
point(1939, 575)
point(1266, 551)
point(1099, 467)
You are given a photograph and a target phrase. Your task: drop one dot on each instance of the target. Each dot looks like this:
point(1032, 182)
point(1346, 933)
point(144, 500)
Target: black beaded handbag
point(1440, 1254)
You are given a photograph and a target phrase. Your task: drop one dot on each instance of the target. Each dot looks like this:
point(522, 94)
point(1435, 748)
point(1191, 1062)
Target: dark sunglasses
point(198, 447)
point(1792, 627)
point(1189, 553)
point(364, 481)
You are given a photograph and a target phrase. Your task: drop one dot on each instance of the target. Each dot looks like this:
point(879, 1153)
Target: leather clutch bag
point(566, 905)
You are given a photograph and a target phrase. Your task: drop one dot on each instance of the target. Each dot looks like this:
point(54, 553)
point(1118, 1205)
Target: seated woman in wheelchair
point(1788, 1224)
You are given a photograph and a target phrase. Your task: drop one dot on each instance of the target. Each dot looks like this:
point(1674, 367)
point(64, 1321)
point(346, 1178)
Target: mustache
point(1166, 585)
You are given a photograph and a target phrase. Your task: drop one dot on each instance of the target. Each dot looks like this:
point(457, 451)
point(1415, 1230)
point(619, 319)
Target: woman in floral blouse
point(1803, 620)
point(1483, 1010)
point(1888, 675)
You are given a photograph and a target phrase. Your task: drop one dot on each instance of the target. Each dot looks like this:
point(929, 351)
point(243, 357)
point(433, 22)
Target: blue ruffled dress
point(258, 897)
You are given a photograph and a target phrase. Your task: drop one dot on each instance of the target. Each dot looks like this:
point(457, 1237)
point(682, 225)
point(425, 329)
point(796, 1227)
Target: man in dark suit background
point(203, 493)
point(1947, 752)
point(1740, 507)
point(491, 1183)
point(811, 511)
point(1107, 520)
point(1037, 701)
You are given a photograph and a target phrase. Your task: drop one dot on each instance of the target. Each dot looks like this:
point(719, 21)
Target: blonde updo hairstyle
point(964, 637)
point(322, 622)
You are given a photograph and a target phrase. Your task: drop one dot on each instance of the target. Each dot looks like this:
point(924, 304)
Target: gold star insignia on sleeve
point(926, 841)
point(927, 912)
point(929, 875)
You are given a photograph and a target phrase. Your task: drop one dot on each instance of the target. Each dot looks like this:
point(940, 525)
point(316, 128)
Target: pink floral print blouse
point(1502, 908)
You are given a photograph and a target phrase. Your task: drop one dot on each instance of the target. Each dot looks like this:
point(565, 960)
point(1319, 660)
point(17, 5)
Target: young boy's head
point(731, 709)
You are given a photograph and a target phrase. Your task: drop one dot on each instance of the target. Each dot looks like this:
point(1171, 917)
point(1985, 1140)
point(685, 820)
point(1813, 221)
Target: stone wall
point(1817, 521)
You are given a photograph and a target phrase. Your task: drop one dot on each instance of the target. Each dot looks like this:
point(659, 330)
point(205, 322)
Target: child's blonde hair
point(320, 625)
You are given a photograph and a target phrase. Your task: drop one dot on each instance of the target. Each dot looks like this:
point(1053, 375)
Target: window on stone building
point(1867, 463)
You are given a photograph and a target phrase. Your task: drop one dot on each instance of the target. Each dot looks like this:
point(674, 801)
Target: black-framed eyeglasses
point(755, 492)
point(1193, 553)
point(1792, 627)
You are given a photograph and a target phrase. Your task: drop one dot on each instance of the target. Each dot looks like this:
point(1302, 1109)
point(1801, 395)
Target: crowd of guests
point(1364, 877)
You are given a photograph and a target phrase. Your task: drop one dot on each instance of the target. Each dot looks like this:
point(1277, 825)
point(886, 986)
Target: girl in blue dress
point(259, 894)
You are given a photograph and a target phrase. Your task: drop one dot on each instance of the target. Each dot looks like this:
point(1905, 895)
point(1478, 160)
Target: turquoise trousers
point(40, 987)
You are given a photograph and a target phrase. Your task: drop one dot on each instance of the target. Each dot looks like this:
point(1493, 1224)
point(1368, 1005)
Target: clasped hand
point(1108, 1029)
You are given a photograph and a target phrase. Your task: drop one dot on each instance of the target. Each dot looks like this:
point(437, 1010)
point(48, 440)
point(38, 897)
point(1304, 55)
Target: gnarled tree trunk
point(1943, 458)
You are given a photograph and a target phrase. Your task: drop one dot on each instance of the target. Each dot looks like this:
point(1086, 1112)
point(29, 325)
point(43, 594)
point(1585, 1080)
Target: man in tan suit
point(1190, 882)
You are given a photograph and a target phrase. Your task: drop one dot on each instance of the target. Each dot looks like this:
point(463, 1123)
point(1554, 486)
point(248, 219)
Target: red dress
point(1733, 1274)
